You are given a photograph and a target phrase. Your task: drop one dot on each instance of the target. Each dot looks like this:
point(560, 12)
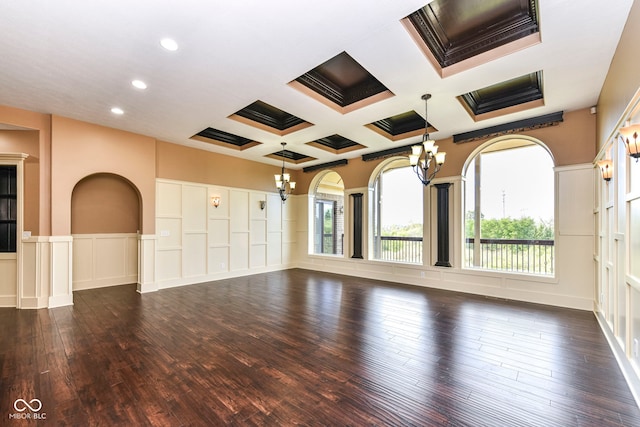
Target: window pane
point(397, 223)
point(509, 197)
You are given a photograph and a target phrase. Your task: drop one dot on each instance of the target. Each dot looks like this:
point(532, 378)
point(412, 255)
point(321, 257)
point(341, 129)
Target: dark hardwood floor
point(304, 348)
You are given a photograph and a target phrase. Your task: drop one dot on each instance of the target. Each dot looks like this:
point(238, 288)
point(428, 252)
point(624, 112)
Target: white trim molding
point(146, 263)
point(61, 260)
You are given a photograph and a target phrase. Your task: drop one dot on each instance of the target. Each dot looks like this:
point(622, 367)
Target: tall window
point(328, 218)
point(397, 214)
point(509, 208)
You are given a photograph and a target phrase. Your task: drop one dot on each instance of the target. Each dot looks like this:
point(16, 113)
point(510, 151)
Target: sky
point(515, 183)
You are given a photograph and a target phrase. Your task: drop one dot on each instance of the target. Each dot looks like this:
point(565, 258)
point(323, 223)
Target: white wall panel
point(169, 233)
point(168, 199)
point(258, 231)
point(110, 256)
point(634, 238)
point(218, 259)
point(147, 263)
point(8, 280)
point(198, 242)
point(168, 265)
point(82, 259)
point(36, 272)
point(258, 256)
point(239, 210)
point(274, 249)
point(222, 211)
point(575, 206)
point(274, 212)
point(195, 255)
point(635, 328)
point(61, 271)
point(104, 260)
point(219, 231)
point(254, 205)
point(194, 208)
point(239, 251)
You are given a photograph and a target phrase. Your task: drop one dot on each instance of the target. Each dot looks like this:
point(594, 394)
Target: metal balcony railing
point(400, 249)
point(522, 256)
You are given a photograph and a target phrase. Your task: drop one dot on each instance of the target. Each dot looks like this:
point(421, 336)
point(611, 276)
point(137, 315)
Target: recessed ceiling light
point(117, 110)
point(169, 44)
point(139, 84)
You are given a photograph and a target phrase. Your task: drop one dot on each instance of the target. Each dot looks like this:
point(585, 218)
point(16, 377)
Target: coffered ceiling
point(333, 79)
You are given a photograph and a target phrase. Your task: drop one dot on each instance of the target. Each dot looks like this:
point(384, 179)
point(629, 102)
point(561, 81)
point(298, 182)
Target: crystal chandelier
point(426, 155)
point(283, 180)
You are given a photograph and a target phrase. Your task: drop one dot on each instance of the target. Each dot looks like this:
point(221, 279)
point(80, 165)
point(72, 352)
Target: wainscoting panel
point(258, 255)
point(168, 265)
point(274, 248)
point(258, 231)
point(61, 291)
point(36, 272)
point(198, 242)
point(170, 201)
point(104, 260)
point(239, 251)
point(218, 259)
point(194, 256)
point(219, 231)
point(573, 218)
point(194, 208)
point(239, 211)
point(8, 280)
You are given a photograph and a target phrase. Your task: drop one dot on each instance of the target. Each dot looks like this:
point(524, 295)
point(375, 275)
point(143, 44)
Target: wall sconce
point(630, 136)
point(263, 203)
point(606, 168)
point(215, 201)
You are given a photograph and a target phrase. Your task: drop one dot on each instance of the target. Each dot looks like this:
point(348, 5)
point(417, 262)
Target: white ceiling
point(77, 58)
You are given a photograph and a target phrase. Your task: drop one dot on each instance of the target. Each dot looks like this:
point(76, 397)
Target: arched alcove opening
point(105, 221)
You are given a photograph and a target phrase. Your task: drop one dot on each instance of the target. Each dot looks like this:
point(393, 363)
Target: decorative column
point(357, 225)
point(443, 224)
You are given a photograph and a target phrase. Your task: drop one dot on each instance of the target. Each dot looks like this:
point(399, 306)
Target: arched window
point(397, 213)
point(509, 208)
point(328, 215)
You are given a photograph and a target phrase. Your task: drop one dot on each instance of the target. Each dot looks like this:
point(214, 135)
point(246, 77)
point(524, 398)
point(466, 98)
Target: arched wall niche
point(105, 203)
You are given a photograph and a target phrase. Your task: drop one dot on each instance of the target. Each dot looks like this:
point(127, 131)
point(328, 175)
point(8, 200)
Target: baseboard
point(34, 302)
point(7, 300)
point(144, 288)
point(60, 301)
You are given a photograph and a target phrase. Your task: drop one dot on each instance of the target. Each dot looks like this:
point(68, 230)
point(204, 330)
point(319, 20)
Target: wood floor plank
point(299, 347)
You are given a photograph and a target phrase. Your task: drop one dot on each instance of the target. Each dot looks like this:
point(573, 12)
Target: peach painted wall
point(26, 141)
point(190, 164)
point(38, 221)
point(571, 142)
point(81, 149)
point(622, 81)
point(104, 203)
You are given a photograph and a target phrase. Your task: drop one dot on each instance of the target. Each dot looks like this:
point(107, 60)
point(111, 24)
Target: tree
point(525, 228)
